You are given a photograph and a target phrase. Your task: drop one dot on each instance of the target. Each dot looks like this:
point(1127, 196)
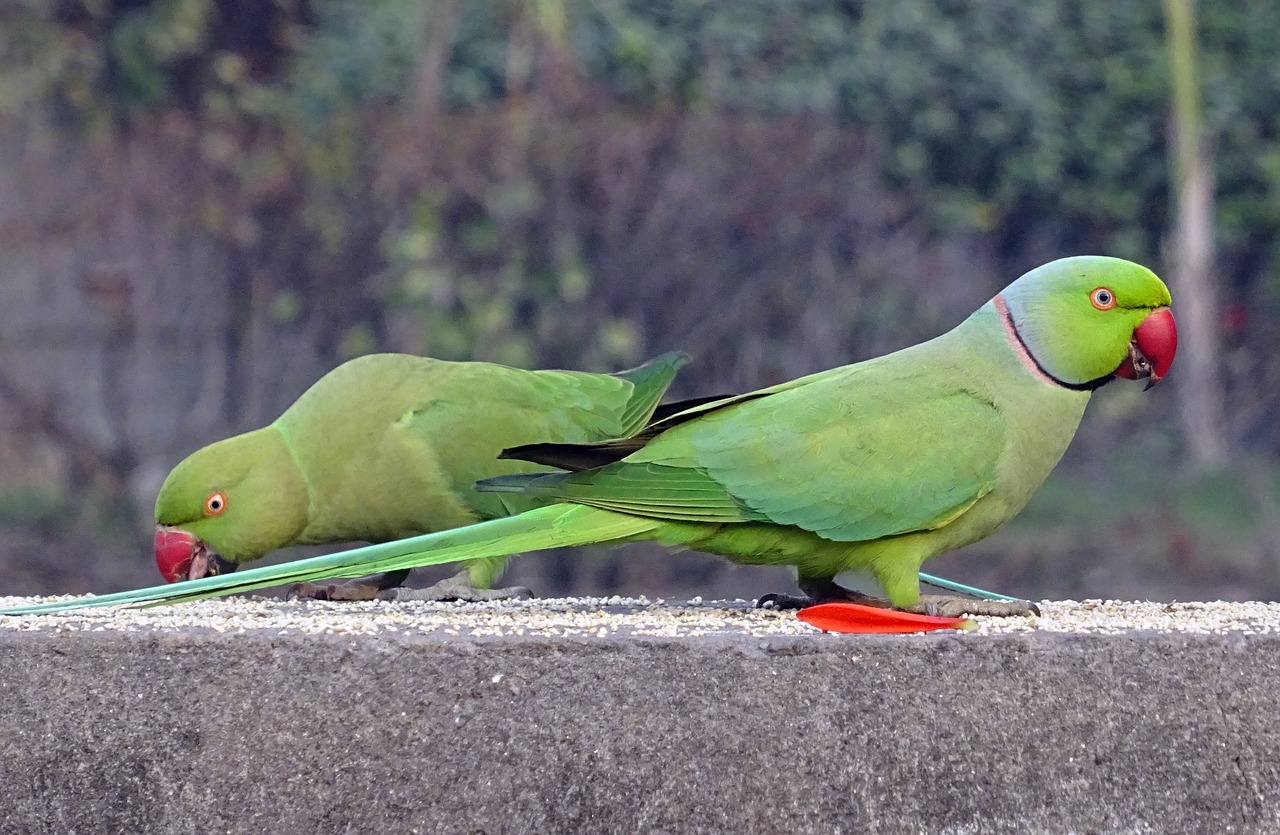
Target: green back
point(391, 445)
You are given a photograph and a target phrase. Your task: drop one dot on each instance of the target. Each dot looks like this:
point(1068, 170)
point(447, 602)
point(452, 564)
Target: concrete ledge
point(190, 731)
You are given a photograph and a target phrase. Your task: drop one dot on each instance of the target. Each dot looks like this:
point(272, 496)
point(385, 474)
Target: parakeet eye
point(215, 504)
point(1103, 299)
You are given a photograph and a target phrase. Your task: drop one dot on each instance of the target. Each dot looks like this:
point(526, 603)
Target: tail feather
point(554, 526)
point(972, 591)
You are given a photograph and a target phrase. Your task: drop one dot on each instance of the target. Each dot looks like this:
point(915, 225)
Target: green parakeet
point(384, 447)
point(876, 466)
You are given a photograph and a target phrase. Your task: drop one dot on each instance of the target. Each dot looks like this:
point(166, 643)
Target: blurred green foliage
point(1040, 123)
point(1005, 116)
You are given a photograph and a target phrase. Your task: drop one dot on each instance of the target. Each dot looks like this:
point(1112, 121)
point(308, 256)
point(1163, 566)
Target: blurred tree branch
point(1201, 391)
point(87, 454)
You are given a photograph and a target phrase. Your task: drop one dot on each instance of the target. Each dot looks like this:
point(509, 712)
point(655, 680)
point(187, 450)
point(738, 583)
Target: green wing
point(854, 454)
point(649, 382)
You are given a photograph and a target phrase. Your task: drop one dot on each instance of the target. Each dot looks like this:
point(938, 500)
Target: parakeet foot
point(783, 602)
point(457, 589)
point(351, 590)
point(954, 607)
point(828, 591)
point(815, 591)
point(368, 587)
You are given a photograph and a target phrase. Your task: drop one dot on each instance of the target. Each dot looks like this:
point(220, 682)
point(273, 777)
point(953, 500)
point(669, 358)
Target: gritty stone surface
point(615, 715)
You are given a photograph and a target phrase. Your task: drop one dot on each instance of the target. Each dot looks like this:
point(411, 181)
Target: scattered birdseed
point(602, 617)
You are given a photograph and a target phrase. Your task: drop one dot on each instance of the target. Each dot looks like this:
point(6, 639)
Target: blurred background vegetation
point(206, 205)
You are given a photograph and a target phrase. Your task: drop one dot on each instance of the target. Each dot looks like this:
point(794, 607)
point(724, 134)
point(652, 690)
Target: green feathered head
point(1083, 320)
point(228, 503)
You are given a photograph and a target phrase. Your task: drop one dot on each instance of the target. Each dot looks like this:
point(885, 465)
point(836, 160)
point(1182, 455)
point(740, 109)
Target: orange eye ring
point(1103, 298)
point(216, 504)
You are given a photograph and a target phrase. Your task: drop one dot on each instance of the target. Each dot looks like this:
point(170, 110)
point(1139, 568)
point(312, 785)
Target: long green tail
point(554, 526)
point(974, 591)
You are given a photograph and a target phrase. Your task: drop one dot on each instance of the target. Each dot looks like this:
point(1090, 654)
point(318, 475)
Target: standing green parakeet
point(383, 447)
point(876, 466)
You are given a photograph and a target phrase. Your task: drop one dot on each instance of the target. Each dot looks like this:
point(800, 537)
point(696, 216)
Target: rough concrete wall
point(199, 732)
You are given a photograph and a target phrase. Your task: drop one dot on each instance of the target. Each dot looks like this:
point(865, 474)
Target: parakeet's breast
point(1040, 419)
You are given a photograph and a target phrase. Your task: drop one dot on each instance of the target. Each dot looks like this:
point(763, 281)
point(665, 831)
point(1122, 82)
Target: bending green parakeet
point(876, 466)
point(383, 447)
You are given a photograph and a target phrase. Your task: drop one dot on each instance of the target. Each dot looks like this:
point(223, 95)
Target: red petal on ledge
point(873, 620)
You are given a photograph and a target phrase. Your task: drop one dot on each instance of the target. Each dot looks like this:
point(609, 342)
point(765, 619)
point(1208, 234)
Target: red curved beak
point(1152, 348)
point(174, 551)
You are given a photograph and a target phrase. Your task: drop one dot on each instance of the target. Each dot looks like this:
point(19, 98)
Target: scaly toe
point(333, 591)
